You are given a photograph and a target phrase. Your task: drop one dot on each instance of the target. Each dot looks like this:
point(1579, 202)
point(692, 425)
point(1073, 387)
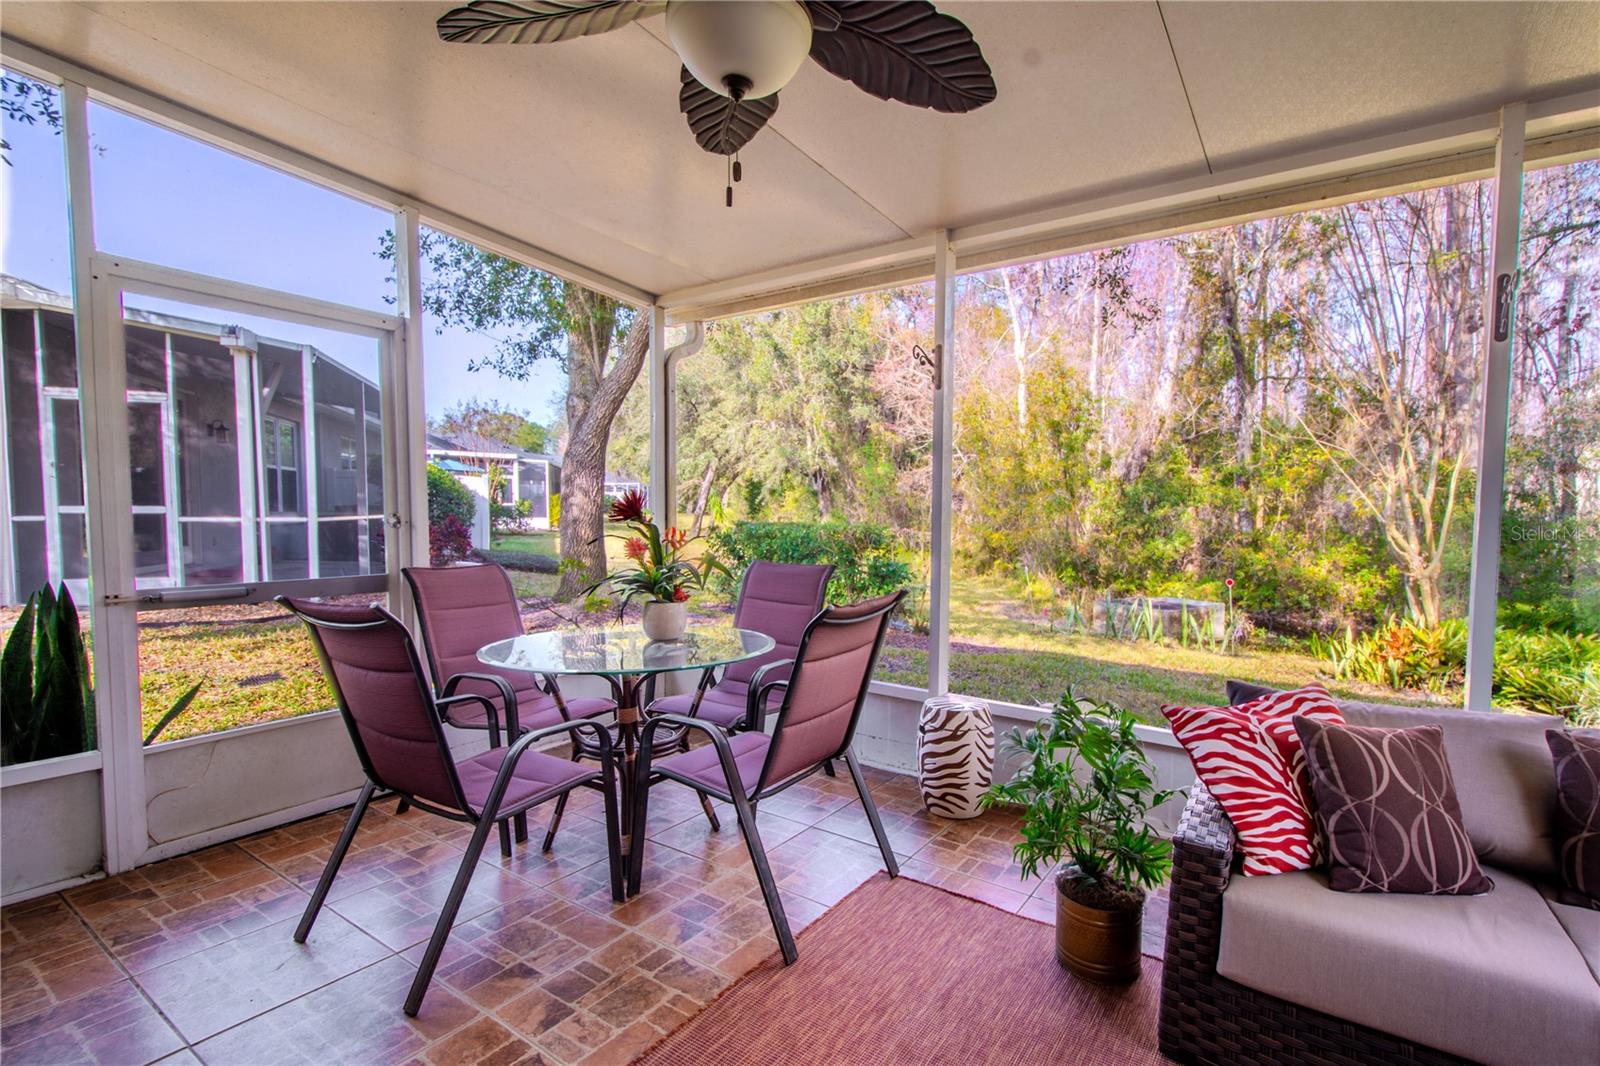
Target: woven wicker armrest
point(1202, 862)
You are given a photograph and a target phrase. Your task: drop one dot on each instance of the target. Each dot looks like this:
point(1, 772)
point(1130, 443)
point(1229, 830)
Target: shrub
point(447, 496)
point(555, 510)
point(1541, 672)
point(867, 558)
point(515, 560)
point(449, 540)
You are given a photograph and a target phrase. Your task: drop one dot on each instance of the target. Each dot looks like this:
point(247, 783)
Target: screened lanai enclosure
point(1202, 302)
point(230, 427)
point(231, 481)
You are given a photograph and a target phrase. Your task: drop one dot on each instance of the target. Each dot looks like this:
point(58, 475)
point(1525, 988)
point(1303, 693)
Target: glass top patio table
point(624, 650)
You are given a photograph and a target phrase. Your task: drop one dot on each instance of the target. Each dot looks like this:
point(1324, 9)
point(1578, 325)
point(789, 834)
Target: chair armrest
point(508, 766)
point(507, 696)
point(491, 712)
point(1203, 847)
point(719, 740)
point(760, 688)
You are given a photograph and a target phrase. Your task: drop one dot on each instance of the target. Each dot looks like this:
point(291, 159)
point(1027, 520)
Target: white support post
point(54, 566)
point(8, 532)
point(363, 549)
point(944, 305)
point(102, 378)
point(408, 517)
point(312, 470)
point(249, 453)
point(1495, 393)
point(663, 425)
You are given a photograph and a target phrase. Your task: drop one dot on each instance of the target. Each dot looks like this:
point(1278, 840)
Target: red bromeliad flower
point(674, 538)
point(629, 507)
point(636, 549)
point(680, 594)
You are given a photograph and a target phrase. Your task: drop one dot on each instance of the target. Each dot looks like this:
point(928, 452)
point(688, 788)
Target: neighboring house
point(538, 477)
point(251, 458)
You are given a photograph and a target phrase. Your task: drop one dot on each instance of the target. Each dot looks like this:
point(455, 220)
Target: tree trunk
point(702, 498)
point(1019, 346)
point(1244, 389)
point(1095, 331)
point(594, 395)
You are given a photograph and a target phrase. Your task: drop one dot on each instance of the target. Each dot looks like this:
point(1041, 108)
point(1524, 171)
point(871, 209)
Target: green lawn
point(544, 542)
point(256, 665)
point(1002, 651)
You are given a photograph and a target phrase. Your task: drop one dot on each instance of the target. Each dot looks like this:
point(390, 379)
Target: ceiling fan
point(737, 54)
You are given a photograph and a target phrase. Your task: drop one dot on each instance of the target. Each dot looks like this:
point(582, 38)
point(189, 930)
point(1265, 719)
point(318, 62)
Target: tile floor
point(192, 960)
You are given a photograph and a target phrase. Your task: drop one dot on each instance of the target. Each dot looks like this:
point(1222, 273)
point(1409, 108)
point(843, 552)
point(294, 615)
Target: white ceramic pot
point(665, 621)
point(955, 755)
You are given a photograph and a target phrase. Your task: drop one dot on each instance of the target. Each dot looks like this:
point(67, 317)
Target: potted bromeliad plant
point(1085, 787)
point(660, 575)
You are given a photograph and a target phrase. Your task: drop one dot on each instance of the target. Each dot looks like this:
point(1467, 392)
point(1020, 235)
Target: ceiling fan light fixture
point(740, 48)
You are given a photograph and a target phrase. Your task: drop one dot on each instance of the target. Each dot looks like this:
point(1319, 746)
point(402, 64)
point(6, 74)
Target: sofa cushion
point(1583, 926)
point(1493, 978)
point(1251, 760)
point(1504, 778)
point(1577, 765)
point(1386, 803)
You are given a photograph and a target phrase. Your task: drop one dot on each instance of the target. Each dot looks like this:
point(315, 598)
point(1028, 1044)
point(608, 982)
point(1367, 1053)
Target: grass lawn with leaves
point(254, 664)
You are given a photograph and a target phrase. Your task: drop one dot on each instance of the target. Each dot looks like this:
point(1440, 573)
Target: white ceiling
point(578, 147)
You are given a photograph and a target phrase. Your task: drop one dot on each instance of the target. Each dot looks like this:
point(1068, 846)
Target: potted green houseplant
point(660, 575)
point(1085, 787)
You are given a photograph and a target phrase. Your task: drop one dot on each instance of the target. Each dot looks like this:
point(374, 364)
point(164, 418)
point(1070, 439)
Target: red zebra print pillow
point(1252, 761)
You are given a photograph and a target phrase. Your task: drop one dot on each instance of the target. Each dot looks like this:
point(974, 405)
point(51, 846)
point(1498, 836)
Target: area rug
point(906, 974)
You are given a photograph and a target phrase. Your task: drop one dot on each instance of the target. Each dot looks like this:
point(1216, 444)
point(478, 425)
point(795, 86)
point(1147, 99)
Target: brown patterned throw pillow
point(1577, 757)
point(1387, 802)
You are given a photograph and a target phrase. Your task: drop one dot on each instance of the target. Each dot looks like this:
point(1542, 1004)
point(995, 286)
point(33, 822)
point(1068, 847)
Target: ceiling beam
point(1567, 127)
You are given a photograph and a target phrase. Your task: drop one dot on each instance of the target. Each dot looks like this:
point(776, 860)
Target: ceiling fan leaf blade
point(720, 124)
point(539, 21)
point(824, 19)
point(903, 50)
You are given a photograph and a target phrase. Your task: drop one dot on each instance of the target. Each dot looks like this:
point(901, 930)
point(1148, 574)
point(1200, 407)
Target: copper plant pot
point(1096, 944)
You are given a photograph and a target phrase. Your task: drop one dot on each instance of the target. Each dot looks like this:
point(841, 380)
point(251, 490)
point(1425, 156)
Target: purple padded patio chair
point(461, 609)
point(778, 599)
point(396, 725)
point(821, 702)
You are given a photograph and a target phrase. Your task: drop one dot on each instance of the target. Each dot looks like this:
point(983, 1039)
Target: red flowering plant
point(660, 572)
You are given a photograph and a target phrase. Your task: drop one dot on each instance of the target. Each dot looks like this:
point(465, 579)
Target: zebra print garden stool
point(955, 755)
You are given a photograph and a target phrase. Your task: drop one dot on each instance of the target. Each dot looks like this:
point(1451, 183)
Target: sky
point(164, 198)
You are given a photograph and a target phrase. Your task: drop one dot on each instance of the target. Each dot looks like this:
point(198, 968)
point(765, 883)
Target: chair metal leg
point(555, 822)
point(872, 813)
point(636, 828)
point(711, 814)
point(769, 887)
point(334, 861)
point(452, 904)
point(521, 822)
point(827, 768)
point(505, 838)
point(403, 806)
point(613, 836)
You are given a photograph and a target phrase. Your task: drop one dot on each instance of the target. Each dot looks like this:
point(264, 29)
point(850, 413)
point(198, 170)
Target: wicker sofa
point(1284, 970)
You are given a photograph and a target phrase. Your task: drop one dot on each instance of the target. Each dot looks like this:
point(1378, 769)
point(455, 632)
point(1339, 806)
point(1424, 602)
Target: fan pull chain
point(728, 193)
